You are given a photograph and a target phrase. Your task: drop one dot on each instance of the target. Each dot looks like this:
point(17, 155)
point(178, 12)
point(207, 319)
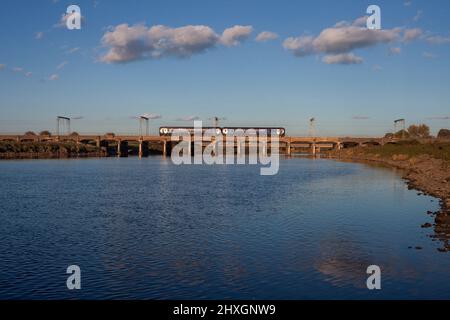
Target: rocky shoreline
point(424, 173)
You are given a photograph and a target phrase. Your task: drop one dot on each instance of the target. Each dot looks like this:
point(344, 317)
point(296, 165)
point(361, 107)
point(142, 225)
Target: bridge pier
point(264, 149)
point(239, 148)
point(122, 149)
point(143, 149)
point(167, 148)
point(288, 148)
point(313, 149)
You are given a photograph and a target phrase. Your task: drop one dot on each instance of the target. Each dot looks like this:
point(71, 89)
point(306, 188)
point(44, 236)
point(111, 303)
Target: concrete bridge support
point(167, 148)
point(104, 144)
point(143, 149)
point(313, 149)
point(122, 149)
point(288, 148)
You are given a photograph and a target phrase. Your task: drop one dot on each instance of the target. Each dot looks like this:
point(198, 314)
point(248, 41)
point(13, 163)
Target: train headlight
point(225, 131)
point(165, 130)
point(218, 131)
point(279, 132)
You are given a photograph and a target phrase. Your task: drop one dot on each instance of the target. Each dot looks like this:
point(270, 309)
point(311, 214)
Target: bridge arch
point(349, 144)
point(370, 143)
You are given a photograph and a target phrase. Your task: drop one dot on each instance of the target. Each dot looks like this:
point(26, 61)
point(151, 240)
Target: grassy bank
point(425, 167)
point(11, 149)
point(437, 150)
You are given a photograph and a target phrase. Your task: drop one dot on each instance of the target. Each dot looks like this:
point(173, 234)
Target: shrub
point(444, 134)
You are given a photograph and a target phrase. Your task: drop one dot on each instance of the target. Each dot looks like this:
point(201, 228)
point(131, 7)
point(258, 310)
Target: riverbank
point(425, 167)
point(10, 150)
point(47, 150)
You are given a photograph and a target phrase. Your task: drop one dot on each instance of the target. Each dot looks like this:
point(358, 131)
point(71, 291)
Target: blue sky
point(47, 70)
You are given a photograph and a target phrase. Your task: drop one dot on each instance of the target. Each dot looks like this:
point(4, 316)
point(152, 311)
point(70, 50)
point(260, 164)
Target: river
point(147, 229)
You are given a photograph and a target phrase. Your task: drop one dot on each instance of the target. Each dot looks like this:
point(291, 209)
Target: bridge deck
point(81, 138)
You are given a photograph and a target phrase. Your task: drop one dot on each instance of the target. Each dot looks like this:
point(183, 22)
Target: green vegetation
point(444, 134)
point(45, 133)
point(46, 147)
point(419, 131)
point(412, 148)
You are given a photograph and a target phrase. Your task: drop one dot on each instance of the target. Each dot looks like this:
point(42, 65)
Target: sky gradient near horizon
point(212, 59)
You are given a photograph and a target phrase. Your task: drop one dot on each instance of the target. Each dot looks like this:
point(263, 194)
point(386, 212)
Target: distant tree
point(402, 134)
point(419, 131)
point(74, 134)
point(389, 135)
point(45, 133)
point(444, 134)
point(30, 133)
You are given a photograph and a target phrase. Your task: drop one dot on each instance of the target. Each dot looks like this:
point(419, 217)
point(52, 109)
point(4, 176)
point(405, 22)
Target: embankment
point(426, 168)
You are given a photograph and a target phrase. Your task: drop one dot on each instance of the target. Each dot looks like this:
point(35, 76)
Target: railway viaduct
point(287, 144)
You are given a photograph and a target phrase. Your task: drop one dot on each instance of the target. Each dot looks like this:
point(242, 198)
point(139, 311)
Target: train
point(279, 131)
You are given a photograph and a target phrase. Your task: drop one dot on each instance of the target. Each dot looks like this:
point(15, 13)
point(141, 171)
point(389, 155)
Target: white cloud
point(407, 3)
point(39, 35)
point(53, 77)
point(62, 65)
point(233, 36)
point(360, 22)
point(73, 50)
point(189, 118)
point(418, 15)
point(64, 17)
point(429, 55)
point(2, 66)
point(342, 58)
point(439, 39)
point(412, 34)
point(266, 36)
point(342, 40)
point(21, 71)
point(439, 118)
point(130, 43)
point(337, 43)
point(377, 68)
point(395, 50)
point(300, 46)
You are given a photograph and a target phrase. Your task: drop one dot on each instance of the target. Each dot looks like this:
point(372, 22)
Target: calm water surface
point(146, 229)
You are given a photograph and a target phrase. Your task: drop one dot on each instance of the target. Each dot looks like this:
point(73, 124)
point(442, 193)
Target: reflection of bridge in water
point(120, 143)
